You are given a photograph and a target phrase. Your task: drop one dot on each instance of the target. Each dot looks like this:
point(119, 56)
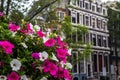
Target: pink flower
point(61, 44)
point(46, 66)
point(61, 72)
point(13, 27)
point(28, 29)
point(61, 54)
point(7, 46)
point(67, 76)
point(50, 67)
point(53, 69)
point(1, 14)
point(50, 42)
point(40, 34)
point(13, 76)
point(0, 63)
point(36, 55)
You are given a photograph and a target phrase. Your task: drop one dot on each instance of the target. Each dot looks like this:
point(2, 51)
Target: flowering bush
point(28, 52)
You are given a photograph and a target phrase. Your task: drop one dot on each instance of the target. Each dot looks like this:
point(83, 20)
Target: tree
point(114, 30)
point(23, 6)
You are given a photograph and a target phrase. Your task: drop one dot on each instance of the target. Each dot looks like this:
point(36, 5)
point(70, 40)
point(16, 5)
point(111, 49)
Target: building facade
point(93, 15)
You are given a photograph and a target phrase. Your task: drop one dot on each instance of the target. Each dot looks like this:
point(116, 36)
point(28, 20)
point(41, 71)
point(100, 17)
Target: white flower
point(54, 57)
point(62, 36)
point(24, 45)
point(45, 39)
point(31, 26)
point(40, 68)
point(15, 64)
point(2, 77)
point(62, 64)
point(24, 77)
point(43, 56)
point(69, 51)
point(68, 66)
point(36, 27)
point(48, 32)
point(13, 34)
point(44, 78)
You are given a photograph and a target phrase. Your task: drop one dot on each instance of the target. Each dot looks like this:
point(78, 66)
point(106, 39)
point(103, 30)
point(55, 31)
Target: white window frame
point(74, 14)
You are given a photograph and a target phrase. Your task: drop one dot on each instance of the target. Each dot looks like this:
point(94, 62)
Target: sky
point(109, 0)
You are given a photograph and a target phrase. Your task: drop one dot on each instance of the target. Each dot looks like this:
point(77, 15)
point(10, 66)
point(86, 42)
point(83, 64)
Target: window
point(60, 15)
point(104, 25)
point(73, 37)
point(81, 4)
point(87, 21)
point(94, 39)
point(99, 40)
point(104, 12)
point(100, 63)
point(74, 56)
point(98, 23)
point(104, 41)
point(89, 70)
point(74, 15)
point(95, 62)
point(87, 38)
point(106, 62)
point(93, 22)
point(98, 9)
point(86, 6)
point(73, 2)
point(93, 8)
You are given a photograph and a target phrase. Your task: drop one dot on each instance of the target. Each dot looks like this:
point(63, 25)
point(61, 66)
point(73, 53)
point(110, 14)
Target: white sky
point(109, 0)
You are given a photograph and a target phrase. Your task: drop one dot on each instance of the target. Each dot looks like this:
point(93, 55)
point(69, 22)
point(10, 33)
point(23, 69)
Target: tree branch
point(8, 6)
point(41, 9)
point(2, 4)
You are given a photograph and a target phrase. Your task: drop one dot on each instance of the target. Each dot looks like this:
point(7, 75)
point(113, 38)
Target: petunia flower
point(7, 46)
point(68, 66)
point(12, 27)
point(15, 64)
point(24, 45)
point(36, 55)
point(50, 42)
point(46, 66)
point(1, 14)
point(54, 57)
point(67, 75)
point(43, 78)
point(36, 28)
point(61, 54)
point(28, 30)
point(53, 69)
point(2, 77)
point(69, 52)
point(0, 63)
point(24, 77)
point(40, 34)
point(13, 76)
point(43, 56)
